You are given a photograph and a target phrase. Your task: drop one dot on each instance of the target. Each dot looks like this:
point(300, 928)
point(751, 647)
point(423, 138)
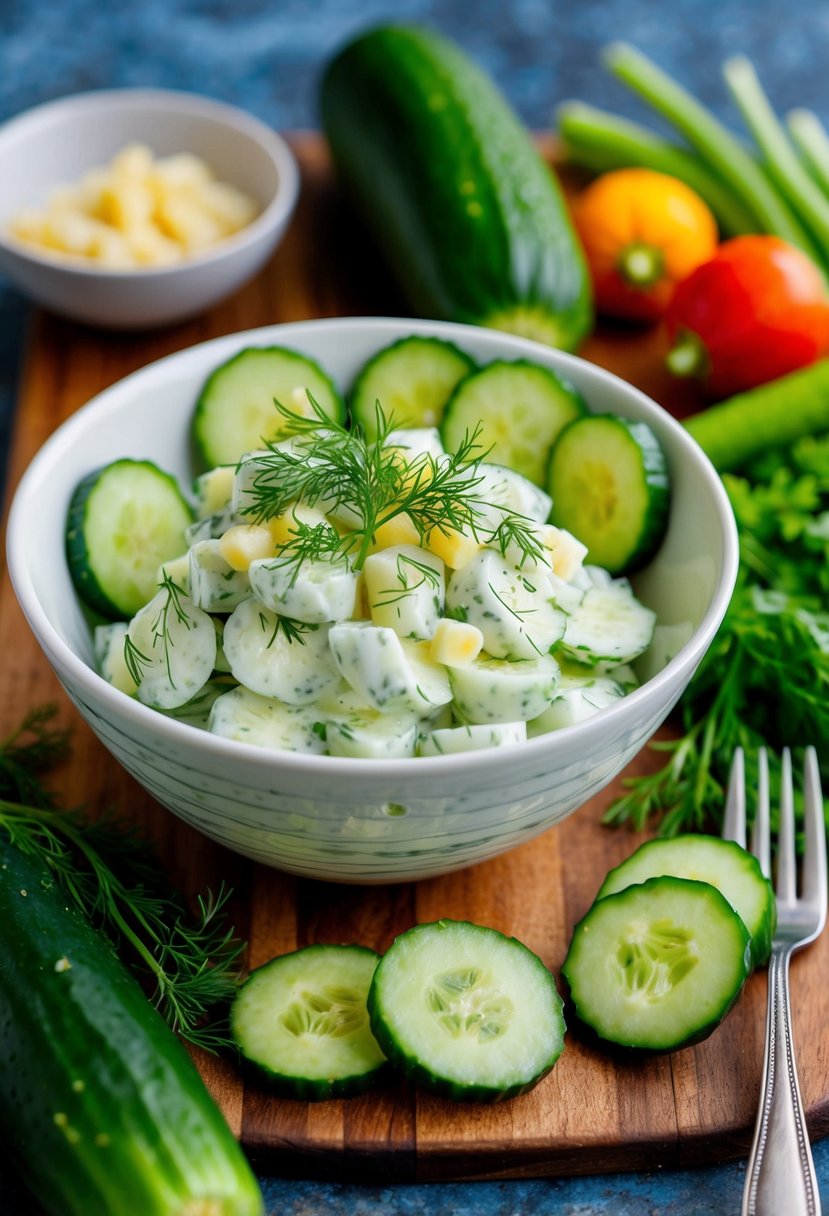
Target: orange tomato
point(642, 233)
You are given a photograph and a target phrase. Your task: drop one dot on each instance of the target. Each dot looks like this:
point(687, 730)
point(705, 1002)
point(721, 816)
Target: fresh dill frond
point(111, 875)
point(423, 575)
point(517, 533)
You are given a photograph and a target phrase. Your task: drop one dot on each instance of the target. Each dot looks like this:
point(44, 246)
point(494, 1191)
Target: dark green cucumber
point(302, 1021)
point(412, 379)
point(519, 408)
point(124, 520)
point(469, 217)
point(608, 479)
point(466, 1012)
point(236, 411)
point(99, 1102)
point(657, 965)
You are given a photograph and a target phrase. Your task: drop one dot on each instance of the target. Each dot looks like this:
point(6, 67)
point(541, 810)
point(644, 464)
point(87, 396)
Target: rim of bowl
point(379, 770)
point(272, 215)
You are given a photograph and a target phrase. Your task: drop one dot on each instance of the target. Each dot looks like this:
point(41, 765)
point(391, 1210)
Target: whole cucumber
point(470, 219)
point(100, 1104)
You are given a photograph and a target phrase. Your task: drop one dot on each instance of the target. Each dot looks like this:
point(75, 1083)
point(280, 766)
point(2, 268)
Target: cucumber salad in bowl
point(438, 566)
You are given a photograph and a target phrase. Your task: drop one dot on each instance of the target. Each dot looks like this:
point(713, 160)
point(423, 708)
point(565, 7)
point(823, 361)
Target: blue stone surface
point(267, 57)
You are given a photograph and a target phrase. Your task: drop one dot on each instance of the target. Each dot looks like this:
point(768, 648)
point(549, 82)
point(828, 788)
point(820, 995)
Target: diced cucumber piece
point(171, 645)
point(466, 1011)
point(448, 740)
point(312, 591)
point(277, 657)
point(389, 674)
point(723, 863)
point(301, 1020)
point(214, 585)
point(500, 489)
point(236, 410)
point(124, 520)
point(576, 704)
point(514, 611)
point(658, 965)
point(520, 408)
point(412, 379)
point(608, 626)
point(197, 710)
point(416, 441)
point(608, 478)
point(108, 649)
point(367, 734)
point(500, 690)
point(266, 722)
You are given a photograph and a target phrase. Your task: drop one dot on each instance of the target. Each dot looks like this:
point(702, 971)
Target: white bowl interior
point(332, 811)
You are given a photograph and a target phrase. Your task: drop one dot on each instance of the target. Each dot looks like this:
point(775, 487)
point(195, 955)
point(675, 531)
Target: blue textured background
point(267, 57)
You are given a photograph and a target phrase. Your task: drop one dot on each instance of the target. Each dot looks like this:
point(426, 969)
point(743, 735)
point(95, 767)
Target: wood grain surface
point(593, 1113)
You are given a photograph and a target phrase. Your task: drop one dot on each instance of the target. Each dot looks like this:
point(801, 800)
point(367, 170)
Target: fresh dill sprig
point(422, 573)
point(341, 470)
point(110, 874)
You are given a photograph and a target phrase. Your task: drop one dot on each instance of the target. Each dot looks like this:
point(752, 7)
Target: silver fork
point(780, 1176)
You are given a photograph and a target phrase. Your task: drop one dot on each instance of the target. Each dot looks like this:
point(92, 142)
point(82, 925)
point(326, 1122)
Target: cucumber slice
point(520, 408)
point(467, 1012)
point(658, 965)
point(124, 521)
point(412, 379)
point(301, 1020)
point(608, 479)
point(235, 412)
point(723, 863)
point(608, 626)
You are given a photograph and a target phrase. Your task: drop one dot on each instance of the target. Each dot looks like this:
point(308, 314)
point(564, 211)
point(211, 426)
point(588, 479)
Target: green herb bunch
point(765, 680)
point(189, 961)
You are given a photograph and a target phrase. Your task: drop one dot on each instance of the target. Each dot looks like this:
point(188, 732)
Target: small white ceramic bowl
point(337, 818)
point(57, 143)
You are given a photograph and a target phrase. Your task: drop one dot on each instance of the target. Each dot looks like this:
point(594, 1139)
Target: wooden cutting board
point(593, 1113)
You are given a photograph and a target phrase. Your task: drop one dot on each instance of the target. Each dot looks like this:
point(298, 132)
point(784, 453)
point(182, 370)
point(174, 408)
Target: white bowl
point(337, 818)
point(58, 142)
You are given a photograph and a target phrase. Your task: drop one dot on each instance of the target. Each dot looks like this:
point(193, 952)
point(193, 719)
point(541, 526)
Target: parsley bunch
point(765, 679)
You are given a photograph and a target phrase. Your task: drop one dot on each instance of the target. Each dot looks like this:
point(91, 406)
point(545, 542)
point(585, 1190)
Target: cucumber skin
point(301, 1088)
point(420, 1073)
point(657, 482)
point(168, 1142)
point(78, 556)
point(415, 168)
point(637, 1049)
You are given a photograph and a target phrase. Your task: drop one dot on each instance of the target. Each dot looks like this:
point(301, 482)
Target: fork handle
point(780, 1176)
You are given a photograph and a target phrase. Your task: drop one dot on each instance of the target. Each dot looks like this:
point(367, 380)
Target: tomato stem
point(641, 265)
point(688, 356)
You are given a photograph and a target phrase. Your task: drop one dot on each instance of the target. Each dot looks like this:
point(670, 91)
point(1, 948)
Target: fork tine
point(814, 853)
point(786, 863)
point(734, 819)
point(761, 832)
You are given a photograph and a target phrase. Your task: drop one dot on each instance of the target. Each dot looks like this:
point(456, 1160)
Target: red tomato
point(756, 310)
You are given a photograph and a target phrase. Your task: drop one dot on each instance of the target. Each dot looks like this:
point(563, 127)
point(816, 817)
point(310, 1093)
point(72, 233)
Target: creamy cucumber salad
point(334, 593)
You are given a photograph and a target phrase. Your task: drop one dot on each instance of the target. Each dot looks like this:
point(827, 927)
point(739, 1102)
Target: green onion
point(600, 141)
point(780, 158)
point(718, 147)
point(812, 142)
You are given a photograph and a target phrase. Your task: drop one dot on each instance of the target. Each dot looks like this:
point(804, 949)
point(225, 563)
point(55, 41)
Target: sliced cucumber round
point(124, 520)
point(723, 863)
point(658, 965)
point(609, 625)
point(236, 410)
point(520, 409)
point(608, 479)
point(412, 379)
point(301, 1020)
point(467, 1012)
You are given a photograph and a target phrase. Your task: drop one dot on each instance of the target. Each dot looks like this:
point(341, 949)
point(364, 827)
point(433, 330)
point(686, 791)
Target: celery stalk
point(601, 141)
point(718, 147)
point(809, 136)
point(764, 419)
point(783, 165)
